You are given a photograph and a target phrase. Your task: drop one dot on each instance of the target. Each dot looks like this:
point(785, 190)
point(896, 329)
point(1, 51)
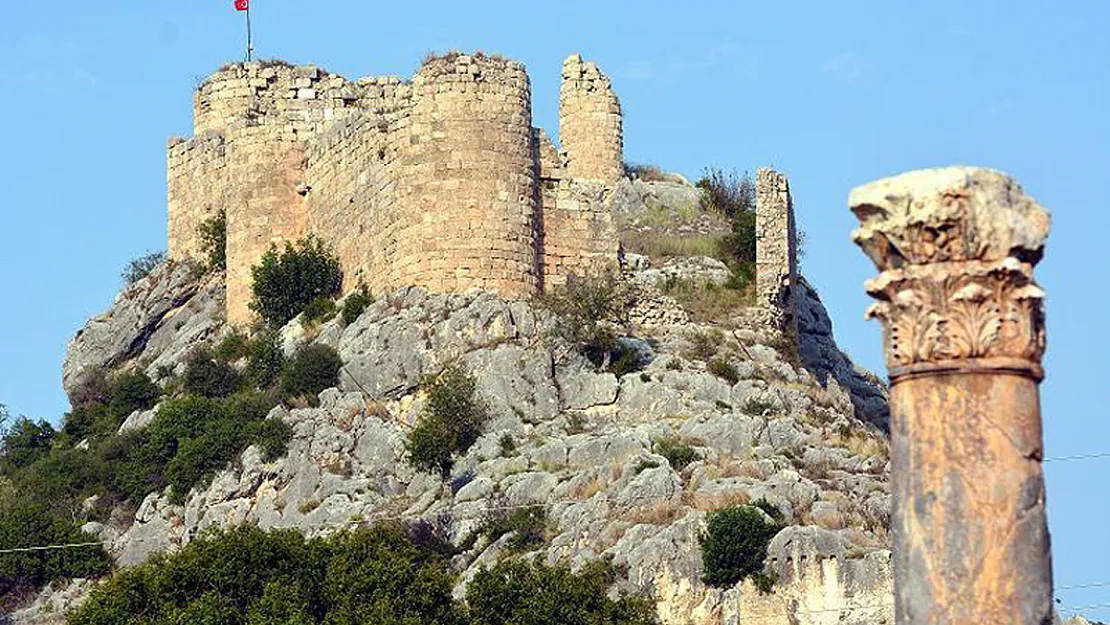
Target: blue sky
point(833, 94)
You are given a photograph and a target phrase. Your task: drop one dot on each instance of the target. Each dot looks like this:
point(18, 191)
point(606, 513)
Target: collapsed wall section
point(590, 131)
point(466, 180)
point(579, 235)
point(776, 256)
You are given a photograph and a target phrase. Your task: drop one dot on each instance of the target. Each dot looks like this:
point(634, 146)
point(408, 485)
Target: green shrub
point(213, 241)
point(232, 347)
point(27, 524)
point(728, 193)
point(527, 526)
point(734, 544)
point(190, 439)
point(756, 407)
point(265, 360)
point(319, 310)
point(677, 452)
point(131, 391)
point(355, 304)
point(244, 575)
point(207, 377)
point(141, 267)
point(313, 368)
point(453, 419)
point(285, 283)
point(24, 442)
point(590, 311)
point(517, 592)
point(723, 369)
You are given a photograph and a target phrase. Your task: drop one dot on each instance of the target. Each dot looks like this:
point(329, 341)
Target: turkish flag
point(242, 5)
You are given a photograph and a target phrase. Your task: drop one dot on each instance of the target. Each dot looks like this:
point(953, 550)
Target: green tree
point(285, 282)
point(518, 592)
point(213, 241)
point(734, 544)
point(131, 391)
point(24, 442)
point(313, 368)
point(453, 419)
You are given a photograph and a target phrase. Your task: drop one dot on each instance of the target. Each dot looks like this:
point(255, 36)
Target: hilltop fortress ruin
point(441, 181)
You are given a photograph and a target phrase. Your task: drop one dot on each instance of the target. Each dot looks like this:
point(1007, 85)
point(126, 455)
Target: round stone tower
point(590, 133)
point(467, 183)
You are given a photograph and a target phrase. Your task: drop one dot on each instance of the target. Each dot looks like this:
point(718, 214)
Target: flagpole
point(250, 43)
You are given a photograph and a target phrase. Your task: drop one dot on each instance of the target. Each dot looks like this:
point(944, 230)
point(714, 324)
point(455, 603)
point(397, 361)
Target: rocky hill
point(755, 416)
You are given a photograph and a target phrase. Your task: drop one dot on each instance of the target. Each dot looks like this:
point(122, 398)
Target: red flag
point(242, 5)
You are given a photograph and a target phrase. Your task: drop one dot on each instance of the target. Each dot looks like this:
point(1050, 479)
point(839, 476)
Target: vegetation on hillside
point(591, 312)
point(286, 282)
point(389, 573)
point(734, 544)
point(453, 419)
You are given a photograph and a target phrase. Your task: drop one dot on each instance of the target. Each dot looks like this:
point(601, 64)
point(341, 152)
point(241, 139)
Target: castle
point(441, 181)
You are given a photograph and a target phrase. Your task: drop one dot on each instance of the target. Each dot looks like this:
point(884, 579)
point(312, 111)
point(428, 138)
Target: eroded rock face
point(157, 317)
point(584, 442)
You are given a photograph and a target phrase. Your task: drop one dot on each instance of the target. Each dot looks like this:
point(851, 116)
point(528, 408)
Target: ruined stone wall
point(196, 191)
point(775, 247)
point(590, 123)
point(579, 234)
point(467, 179)
point(434, 182)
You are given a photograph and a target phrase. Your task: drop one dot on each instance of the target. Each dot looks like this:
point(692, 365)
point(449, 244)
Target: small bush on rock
point(734, 544)
point(355, 304)
point(677, 451)
point(232, 347)
point(319, 310)
point(265, 360)
point(453, 419)
point(527, 526)
point(286, 282)
point(207, 377)
point(213, 241)
point(315, 367)
point(131, 391)
point(723, 369)
point(590, 311)
point(141, 267)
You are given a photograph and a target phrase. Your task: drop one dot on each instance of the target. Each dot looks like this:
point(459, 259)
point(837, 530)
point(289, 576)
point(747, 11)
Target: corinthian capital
point(956, 249)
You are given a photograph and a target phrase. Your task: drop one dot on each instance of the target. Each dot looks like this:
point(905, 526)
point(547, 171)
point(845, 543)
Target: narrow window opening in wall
point(381, 154)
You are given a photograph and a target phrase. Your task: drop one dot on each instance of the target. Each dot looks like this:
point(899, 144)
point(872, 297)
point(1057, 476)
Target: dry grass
point(708, 302)
point(716, 501)
point(660, 245)
point(861, 443)
point(661, 513)
point(584, 491)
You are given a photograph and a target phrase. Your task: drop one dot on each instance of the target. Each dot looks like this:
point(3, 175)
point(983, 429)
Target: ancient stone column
point(963, 327)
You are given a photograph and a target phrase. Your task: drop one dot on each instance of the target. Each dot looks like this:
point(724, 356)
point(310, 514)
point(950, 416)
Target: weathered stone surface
point(584, 445)
point(122, 332)
point(963, 326)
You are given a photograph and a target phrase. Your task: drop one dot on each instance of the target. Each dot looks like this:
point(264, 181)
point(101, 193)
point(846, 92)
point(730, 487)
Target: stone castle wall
point(590, 130)
point(433, 182)
point(468, 180)
point(579, 232)
point(776, 256)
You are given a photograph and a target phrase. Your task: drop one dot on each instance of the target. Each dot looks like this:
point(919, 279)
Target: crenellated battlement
point(441, 181)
